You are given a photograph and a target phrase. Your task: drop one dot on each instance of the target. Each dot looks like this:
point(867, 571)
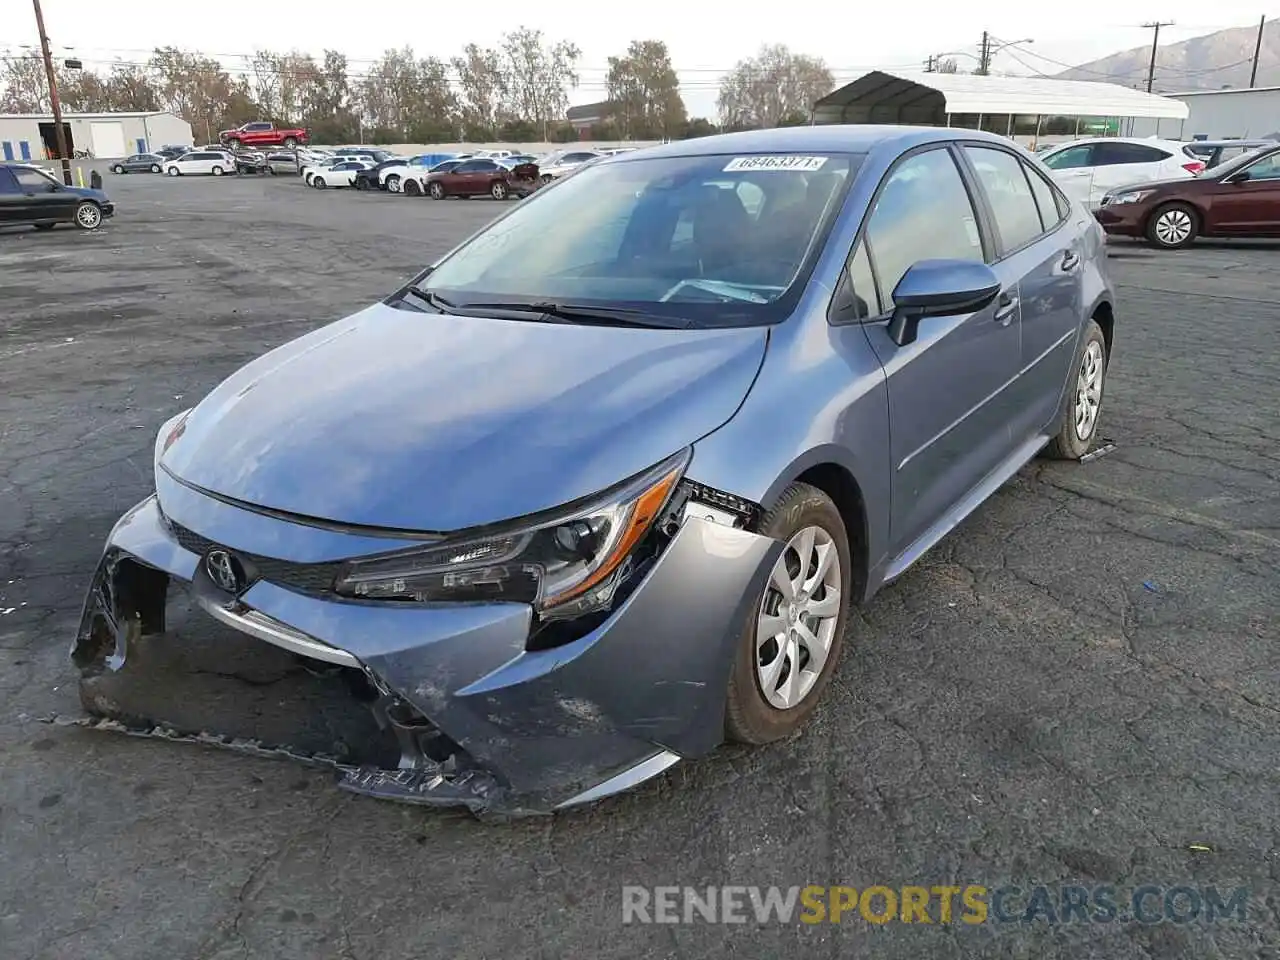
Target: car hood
point(413, 421)
point(1153, 184)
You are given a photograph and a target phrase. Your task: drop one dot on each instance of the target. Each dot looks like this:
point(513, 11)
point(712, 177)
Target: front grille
point(313, 578)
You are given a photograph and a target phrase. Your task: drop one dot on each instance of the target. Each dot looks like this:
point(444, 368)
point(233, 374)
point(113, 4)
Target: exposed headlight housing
point(1129, 196)
point(565, 565)
point(170, 431)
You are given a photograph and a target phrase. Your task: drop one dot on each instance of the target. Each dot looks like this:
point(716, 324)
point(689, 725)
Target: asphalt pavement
point(1079, 686)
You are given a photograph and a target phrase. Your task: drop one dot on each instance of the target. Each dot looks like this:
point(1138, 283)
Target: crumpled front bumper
point(508, 729)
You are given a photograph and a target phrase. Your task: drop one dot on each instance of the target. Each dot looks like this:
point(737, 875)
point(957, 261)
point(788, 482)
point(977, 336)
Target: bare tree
point(201, 91)
point(401, 92)
point(645, 92)
point(483, 91)
point(23, 85)
point(948, 65)
point(775, 85)
point(538, 77)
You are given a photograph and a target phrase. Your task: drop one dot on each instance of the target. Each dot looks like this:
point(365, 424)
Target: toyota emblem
point(225, 570)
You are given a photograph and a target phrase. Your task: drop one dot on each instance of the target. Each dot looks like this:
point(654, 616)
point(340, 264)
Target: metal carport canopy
point(969, 94)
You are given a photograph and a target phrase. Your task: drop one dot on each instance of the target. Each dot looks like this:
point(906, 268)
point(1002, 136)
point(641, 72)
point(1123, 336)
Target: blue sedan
point(596, 492)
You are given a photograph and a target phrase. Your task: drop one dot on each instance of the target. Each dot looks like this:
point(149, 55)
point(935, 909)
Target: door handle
point(1005, 308)
point(1070, 260)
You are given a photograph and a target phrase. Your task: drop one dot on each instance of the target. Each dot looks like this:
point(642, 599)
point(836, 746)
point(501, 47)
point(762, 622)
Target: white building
point(1030, 109)
point(1221, 114)
point(32, 136)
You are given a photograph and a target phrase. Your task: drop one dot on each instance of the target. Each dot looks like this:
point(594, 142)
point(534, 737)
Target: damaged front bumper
point(439, 704)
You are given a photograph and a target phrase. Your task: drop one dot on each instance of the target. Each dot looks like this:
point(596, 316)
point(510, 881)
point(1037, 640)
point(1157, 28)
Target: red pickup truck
point(263, 134)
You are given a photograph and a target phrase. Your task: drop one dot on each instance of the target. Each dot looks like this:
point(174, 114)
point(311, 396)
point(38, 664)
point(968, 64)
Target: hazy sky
point(705, 37)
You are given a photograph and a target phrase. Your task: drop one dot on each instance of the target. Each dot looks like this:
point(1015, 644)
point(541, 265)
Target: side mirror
point(1239, 177)
point(939, 288)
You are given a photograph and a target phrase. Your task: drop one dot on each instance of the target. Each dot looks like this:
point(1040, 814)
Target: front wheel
point(174, 172)
point(217, 171)
point(412, 188)
point(318, 182)
point(155, 168)
point(1173, 226)
point(393, 184)
point(436, 190)
point(791, 642)
point(118, 168)
point(88, 216)
point(499, 190)
point(1084, 398)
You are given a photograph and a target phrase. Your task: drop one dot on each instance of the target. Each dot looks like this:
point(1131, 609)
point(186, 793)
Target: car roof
point(821, 138)
point(1238, 142)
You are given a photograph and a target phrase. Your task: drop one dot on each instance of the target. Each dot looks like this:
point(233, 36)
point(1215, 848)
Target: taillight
point(1193, 167)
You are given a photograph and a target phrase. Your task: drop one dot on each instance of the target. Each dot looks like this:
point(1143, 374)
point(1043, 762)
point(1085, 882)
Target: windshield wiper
point(551, 311)
point(432, 298)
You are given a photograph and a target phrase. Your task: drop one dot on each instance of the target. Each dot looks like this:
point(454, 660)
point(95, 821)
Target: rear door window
point(1052, 207)
point(1109, 154)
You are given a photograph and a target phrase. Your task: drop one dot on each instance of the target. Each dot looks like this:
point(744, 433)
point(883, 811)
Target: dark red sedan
point(483, 177)
point(1240, 198)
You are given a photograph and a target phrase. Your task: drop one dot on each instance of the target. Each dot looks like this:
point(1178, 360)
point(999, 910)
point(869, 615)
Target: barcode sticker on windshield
point(802, 164)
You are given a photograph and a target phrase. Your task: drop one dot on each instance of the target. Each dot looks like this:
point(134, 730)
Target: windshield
point(1228, 167)
point(708, 240)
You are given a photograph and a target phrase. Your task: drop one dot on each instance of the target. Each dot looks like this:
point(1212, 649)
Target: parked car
point(201, 162)
point(31, 195)
point(250, 161)
point(140, 163)
point(173, 152)
point(371, 179)
point(326, 163)
point(1216, 152)
point(263, 134)
point(374, 154)
point(483, 177)
point(557, 165)
point(597, 489)
point(342, 174)
point(1239, 198)
point(282, 162)
point(1087, 169)
point(413, 180)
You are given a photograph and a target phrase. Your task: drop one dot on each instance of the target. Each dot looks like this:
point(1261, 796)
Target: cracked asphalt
point(1077, 686)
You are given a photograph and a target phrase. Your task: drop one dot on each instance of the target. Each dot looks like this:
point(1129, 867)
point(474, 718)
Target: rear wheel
point(436, 189)
point(412, 189)
point(1173, 226)
point(291, 142)
point(217, 171)
point(234, 143)
point(118, 168)
point(88, 215)
point(155, 168)
point(1084, 398)
point(791, 642)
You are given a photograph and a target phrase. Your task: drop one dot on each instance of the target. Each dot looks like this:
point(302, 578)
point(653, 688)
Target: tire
point(291, 143)
point(234, 143)
point(1085, 392)
point(545, 179)
point(174, 172)
point(751, 714)
point(318, 182)
point(118, 168)
point(436, 189)
point(361, 184)
point(498, 190)
point(412, 188)
point(217, 171)
point(88, 216)
point(155, 168)
point(1173, 226)
point(393, 184)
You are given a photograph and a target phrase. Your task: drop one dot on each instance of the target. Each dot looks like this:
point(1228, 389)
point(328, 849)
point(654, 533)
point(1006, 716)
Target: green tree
point(645, 92)
point(537, 77)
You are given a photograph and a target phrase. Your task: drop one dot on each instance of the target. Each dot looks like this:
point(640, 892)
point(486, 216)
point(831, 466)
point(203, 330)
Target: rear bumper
point(526, 731)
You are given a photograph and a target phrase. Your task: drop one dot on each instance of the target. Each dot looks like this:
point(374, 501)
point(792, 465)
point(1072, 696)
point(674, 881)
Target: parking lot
point(1080, 685)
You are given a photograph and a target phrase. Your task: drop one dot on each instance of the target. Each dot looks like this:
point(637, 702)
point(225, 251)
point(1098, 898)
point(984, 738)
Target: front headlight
point(565, 565)
point(169, 433)
point(1130, 196)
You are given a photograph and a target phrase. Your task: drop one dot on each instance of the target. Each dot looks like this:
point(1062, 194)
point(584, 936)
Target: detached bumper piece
point(155, 664)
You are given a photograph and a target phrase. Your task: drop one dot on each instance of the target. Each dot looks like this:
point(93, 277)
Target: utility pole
point(1257, 52)
point(1155, 42)
point(984, 55)
point(930, 65)
point(59, 133)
